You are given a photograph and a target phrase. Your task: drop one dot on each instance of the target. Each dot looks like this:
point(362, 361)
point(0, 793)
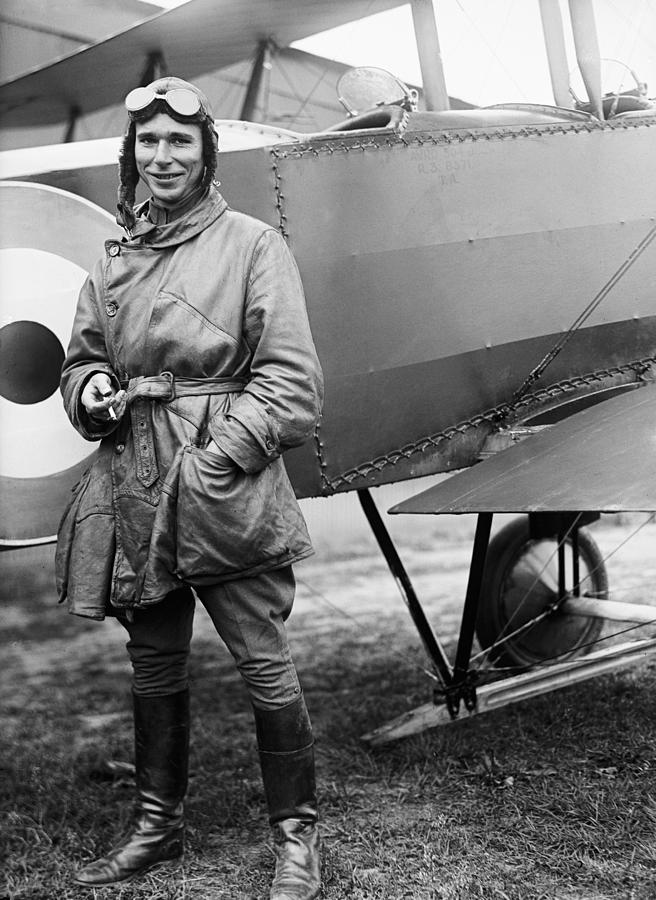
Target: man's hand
point(216, 450)
point(101, 401)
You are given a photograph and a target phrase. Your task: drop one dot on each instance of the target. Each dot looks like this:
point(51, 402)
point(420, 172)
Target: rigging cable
point(491, 49)
point(303, 101)
point(405, 658)
point(587, 312)
point(485, 654)
point(503, 635)
point(488, 667)
point(640, 31)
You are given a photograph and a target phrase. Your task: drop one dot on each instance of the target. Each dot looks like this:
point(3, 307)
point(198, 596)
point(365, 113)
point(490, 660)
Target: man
point(191, 361)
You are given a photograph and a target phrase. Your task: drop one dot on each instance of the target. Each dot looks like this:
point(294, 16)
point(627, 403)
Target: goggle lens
point(180, 100)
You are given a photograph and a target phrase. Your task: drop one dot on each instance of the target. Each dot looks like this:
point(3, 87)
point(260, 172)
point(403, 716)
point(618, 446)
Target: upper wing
point(602, 459)
point(198, 37)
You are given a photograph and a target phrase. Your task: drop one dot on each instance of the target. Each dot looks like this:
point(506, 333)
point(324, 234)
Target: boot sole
point(162, 865)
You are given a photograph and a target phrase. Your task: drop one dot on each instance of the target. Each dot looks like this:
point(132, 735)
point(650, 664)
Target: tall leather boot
point(161, 731)
point(286, 746)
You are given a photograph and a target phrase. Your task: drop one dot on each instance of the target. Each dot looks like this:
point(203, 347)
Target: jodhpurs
point(248, 614)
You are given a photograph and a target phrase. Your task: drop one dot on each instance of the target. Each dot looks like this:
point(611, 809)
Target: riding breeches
point(249, 615)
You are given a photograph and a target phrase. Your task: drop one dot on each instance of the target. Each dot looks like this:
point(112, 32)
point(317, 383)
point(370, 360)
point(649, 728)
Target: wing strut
point(461, 688)
point(461, 685)
point(73, 118)
point(261, 63)
point(433, 647)
point(155, 68)
point(436, 95)
point(455, 683)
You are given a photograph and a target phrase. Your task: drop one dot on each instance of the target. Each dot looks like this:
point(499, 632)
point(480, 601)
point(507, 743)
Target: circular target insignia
point(49, 241)
point(22, 343)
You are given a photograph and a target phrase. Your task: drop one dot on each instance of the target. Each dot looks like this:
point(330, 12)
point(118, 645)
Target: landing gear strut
point(536, 593)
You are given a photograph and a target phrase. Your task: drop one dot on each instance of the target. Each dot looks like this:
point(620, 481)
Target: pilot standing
point(192, 363)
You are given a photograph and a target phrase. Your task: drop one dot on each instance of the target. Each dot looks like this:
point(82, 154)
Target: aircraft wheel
point(521, 581)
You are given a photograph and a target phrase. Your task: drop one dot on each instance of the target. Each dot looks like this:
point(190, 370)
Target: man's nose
point(163, 153)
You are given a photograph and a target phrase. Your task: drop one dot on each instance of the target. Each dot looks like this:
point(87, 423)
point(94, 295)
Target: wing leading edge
point(602, 459)
point(198, 37)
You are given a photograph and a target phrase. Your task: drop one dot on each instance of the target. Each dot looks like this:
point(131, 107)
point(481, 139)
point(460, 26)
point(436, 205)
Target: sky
point(492, 50)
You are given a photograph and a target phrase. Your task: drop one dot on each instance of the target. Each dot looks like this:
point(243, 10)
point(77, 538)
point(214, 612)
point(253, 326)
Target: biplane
point(480, 284)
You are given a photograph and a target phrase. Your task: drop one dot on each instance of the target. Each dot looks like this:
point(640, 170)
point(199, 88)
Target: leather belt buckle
point(171, 380)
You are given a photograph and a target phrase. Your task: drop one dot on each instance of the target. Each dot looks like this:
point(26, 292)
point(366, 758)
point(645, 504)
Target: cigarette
point(110, 409)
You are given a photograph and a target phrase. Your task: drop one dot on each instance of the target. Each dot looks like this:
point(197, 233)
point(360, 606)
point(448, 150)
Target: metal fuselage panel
point(440, 267)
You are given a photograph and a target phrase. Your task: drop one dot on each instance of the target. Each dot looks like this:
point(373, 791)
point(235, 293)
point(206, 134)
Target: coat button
point(119, 448)
point(114, 250)
point(269, 444)
point(111, 309)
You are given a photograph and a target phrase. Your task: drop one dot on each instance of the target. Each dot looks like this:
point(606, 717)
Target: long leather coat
point(203, 322)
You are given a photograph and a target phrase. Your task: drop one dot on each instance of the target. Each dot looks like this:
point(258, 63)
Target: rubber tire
point(560, 636)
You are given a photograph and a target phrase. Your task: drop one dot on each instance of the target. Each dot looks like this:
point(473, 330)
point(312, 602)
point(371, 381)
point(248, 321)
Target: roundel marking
point(38, 296)
point(31, 358)
point(49, 241)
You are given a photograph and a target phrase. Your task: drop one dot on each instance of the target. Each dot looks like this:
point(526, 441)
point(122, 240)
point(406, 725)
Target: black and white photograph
point(328, 449)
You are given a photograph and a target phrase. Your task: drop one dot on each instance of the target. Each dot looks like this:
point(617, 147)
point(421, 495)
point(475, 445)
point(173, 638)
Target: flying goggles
point(181, 100)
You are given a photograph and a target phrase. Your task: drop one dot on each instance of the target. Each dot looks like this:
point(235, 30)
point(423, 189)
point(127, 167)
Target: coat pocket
point(85, 546)
point(231, 523)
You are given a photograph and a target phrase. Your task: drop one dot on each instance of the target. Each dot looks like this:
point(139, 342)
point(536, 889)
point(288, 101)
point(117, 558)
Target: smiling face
point(169, 157)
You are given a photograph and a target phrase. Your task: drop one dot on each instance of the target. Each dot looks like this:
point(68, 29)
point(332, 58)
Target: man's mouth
point(164, 176)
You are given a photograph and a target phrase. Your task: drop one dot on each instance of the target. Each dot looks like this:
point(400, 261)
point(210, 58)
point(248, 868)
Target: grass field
point(553, 798)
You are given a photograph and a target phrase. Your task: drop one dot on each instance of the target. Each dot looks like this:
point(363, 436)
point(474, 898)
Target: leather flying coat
point(203, 322)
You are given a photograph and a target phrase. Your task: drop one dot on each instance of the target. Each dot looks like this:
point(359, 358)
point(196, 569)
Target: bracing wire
point(544, 663)
point(491, 48)
point(503, 637)
point(488, 667)
point(362, 627)
point(302, 101)
point(587, 312)
point(640, 33)
point(485, 654)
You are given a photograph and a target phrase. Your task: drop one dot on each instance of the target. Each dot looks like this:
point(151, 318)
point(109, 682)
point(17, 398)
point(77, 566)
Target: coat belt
point(164, 387)
point(167, 387)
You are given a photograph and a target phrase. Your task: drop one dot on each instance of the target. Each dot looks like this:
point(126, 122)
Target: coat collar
point(162, 215)
point(187, 226)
